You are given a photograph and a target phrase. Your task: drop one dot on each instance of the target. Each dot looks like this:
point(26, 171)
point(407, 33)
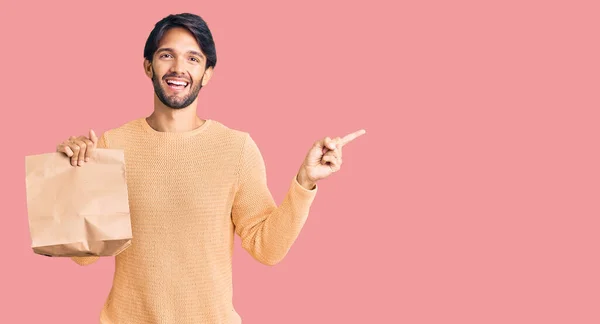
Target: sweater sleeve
point(267, 231)
point(87, 260)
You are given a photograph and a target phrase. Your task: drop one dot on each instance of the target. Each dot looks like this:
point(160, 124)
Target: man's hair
point(194, 24)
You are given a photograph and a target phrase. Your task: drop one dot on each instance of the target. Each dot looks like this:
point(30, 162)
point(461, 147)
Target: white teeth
point(181, 83)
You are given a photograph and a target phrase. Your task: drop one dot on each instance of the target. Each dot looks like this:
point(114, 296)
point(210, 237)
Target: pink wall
point(473, 197)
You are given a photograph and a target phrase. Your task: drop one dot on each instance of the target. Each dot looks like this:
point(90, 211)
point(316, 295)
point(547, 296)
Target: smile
point(176, 84)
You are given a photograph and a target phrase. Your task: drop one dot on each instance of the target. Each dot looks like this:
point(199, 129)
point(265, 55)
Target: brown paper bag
point(78, 211)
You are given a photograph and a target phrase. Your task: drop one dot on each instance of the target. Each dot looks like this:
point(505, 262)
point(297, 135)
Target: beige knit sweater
point(189, 193)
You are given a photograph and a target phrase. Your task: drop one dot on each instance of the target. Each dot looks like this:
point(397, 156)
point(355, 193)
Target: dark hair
point(195, 24)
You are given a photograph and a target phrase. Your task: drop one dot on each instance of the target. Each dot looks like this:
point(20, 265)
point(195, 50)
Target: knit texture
point(189, 194)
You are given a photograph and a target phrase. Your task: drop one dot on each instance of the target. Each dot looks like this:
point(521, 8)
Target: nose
point(177, 66)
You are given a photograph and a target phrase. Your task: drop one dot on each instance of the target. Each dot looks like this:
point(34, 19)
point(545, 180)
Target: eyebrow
point(168, 49)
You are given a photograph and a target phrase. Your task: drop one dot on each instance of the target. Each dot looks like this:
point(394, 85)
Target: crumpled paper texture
point(78, 211)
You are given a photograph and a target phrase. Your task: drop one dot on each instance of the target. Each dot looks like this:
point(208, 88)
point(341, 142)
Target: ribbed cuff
point(301, 193)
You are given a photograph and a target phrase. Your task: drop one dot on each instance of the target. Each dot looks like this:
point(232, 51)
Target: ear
point(207, 75)
point(148, 68)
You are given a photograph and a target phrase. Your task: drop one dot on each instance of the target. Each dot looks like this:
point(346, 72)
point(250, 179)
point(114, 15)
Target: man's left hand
point(324, 159)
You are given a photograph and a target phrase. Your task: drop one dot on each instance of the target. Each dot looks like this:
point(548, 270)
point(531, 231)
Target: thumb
point(315, 153)
point(320, 144)
point(326, 144)
point(93, 137)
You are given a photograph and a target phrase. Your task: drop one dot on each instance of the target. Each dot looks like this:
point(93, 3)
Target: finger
point(94, 138)
point(350, 137)
point(316, 152)
point(336, 165)
point(319, 144)
point(334, 154)
point(64, 148)
point(322, 145)
point(82, 149)
point(338, 153)
point(89, 149)
point(75, 149)
point(338, 149)
point(332, 162)
point(338, 161)
point(329, 143)
point(328, 159)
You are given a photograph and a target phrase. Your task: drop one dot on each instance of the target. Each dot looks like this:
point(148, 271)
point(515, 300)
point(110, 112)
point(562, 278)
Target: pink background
point(473, 198)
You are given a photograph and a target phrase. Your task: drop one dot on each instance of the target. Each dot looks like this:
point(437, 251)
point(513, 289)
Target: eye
point(194, 59)
point(164, 55)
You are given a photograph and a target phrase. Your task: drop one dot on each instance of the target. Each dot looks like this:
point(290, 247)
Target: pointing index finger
point(350, 137)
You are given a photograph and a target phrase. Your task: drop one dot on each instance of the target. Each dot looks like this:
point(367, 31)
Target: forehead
point(180, 39)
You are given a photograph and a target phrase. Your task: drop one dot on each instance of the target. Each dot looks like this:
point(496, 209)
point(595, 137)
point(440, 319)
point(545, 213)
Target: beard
point(175, 101)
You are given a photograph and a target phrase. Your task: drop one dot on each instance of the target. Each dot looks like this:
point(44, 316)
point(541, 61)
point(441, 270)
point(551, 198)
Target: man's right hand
point(79, 149)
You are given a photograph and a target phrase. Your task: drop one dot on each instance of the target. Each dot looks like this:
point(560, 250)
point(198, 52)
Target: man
point(192, 184)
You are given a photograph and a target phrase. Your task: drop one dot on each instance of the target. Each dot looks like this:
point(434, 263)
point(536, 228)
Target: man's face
point(177, 70)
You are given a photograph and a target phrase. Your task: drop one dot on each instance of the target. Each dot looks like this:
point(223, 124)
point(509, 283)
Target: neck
point(165, 119)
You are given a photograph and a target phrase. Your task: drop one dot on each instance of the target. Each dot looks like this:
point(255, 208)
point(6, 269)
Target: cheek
point(197, 74)
point(159, 70)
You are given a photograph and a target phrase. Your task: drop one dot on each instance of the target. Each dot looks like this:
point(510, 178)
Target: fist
point(79, 148)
